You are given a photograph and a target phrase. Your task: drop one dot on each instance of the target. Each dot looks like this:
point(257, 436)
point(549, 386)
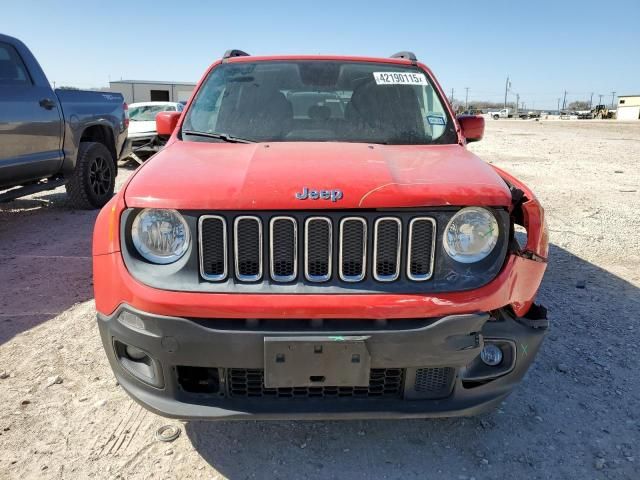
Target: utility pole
point(451, 101)
point(600, 95)
point(558, 105)
point(517, 103)
point(591, 101)
point(613, 96)
point(466, 98)
point(506, 89)
point(564, 101)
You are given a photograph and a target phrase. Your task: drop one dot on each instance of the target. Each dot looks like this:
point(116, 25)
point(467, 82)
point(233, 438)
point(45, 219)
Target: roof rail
point(234, 53)
point(408, 55)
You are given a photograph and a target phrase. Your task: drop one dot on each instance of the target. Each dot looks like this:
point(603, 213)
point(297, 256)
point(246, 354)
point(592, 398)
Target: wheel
point(496, 117)
point(94, 178)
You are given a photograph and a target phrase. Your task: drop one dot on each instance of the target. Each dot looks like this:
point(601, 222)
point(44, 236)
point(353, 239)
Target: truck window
point(12, 69)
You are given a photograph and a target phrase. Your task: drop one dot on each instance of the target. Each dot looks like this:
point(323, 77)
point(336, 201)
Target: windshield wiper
point(219, 136)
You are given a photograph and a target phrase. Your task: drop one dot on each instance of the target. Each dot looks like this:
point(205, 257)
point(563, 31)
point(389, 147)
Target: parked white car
point(504, 113)
point(142, 127)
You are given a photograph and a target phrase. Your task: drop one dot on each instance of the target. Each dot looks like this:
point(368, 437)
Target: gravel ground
point(576, 415)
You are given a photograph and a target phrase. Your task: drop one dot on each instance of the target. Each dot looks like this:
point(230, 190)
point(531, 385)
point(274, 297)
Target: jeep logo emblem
point(333, 195)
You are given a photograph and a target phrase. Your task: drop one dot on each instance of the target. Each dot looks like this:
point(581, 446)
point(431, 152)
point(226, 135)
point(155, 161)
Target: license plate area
point(336, 361)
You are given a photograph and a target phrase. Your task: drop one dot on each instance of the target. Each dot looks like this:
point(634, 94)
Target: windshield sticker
point(435, 120)
point(398, 78)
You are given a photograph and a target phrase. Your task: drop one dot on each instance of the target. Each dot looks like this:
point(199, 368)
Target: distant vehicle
point(50, 138)
point(143, 139)
point(528, 115)
point(504, 113)
point(473, 111)
point(601, 112)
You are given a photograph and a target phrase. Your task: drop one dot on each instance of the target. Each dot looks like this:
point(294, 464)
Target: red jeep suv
point(315, 241)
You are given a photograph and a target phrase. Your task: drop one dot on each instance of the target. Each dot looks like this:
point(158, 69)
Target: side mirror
point(472, 127)
point(166, 123)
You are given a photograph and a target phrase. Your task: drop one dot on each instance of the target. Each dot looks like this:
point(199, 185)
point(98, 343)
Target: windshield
point(328, 101)
point(147, 113)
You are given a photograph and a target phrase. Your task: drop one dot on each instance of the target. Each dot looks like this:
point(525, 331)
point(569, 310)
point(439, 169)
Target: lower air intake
point(430, 383)
point(383, 383)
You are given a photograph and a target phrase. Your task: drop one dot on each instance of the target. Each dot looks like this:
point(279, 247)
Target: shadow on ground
point(577, 404)
point(45, 261)
point(45, 257)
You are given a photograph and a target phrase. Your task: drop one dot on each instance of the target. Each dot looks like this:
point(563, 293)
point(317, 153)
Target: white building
point(628, 107)
point(151, 91)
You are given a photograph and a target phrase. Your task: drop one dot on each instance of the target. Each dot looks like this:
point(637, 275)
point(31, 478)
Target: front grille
point(386, 249)
point(248, 248)
point(353, 249)
point(301, 248)
point(318, 248)
point(213, 247)
point(434, 382)
point(283, 246)
point(421, 248)
point(246, 382)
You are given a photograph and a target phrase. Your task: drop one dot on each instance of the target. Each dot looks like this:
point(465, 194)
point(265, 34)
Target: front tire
point(496, 117)
point(94, 178)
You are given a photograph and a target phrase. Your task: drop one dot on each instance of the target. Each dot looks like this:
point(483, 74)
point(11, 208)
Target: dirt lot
point(577, 415)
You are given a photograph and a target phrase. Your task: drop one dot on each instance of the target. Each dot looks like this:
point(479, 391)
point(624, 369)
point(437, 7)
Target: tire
point(496, 117)
point(94, 178)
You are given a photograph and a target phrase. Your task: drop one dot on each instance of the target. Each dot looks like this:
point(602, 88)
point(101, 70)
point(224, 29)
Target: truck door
point(30, 123)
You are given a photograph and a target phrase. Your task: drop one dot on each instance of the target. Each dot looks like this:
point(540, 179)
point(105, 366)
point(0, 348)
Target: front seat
point(385, 113)
point(256, 112)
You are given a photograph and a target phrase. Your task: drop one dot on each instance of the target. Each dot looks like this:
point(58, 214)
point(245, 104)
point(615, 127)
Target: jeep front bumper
point(215, 368)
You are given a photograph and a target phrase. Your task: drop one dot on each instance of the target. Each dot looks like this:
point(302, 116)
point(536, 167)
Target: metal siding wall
point(628, 113)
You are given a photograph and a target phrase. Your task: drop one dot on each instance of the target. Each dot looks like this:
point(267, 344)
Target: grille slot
point(213, 247)
point(318, 241)
point(383, 383)
point(283, 245)
point(247, 241)
point(434, 382)
point(386, 249)
point(422, 243)
point(353, 249)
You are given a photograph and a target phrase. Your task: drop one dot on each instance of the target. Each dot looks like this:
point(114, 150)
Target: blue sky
point(545, 46)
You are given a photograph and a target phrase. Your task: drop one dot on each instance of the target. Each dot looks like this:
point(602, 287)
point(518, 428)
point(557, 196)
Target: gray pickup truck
point(57, 137)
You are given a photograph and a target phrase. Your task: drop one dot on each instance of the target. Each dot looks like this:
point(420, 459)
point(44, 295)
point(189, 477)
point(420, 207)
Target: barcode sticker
point(399, 78)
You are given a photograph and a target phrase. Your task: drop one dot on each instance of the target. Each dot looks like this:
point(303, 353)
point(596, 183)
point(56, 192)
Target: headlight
point(160, 235)
point(471, 235)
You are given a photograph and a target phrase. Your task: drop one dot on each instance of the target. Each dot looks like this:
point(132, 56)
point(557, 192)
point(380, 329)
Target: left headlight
point(160, 235)
point(471, 235)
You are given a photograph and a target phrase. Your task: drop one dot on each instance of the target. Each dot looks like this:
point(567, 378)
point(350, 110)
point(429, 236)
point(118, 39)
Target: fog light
point(135, 353)
point(491, 354)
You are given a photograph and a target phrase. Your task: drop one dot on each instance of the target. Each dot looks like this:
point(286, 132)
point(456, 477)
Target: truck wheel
point(94, 178)
point(496, 117)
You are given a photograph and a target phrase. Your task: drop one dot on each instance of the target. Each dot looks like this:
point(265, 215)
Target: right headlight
point(471, 235)
point(160, 235)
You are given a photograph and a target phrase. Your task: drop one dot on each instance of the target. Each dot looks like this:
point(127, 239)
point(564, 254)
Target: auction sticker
point(435, 120)
point(399, 78)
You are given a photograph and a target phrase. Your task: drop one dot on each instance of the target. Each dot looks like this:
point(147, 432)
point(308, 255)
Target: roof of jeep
point(265, 58)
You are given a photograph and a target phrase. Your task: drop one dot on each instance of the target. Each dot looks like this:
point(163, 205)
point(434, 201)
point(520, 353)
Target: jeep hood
point(261, 176)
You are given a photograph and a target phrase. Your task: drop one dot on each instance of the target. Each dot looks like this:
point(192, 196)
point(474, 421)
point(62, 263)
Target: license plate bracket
point(316, 361)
